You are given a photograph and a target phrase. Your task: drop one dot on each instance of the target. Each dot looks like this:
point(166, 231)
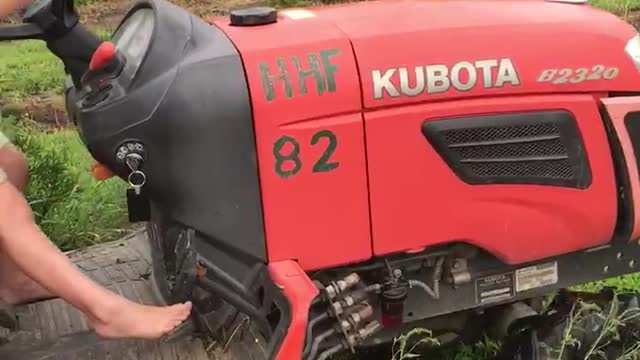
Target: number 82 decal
point(576, 76)
point(289, 163)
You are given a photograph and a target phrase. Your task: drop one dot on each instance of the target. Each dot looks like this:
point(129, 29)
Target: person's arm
point(8, 7)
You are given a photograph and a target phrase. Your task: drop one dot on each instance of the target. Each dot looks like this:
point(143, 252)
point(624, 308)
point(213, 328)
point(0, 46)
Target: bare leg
point(112, 316)
point(14, 164)
point(15, 286)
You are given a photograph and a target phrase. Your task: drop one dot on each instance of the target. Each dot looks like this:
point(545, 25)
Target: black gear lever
point(56, 22)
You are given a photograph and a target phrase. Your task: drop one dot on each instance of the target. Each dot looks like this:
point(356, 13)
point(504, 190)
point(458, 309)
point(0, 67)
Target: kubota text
point(439, 78)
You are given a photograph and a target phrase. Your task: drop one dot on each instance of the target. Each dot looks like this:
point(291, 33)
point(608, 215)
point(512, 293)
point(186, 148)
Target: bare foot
point(126, 319)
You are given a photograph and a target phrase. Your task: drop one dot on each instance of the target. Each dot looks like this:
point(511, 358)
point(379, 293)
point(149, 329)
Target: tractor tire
point(244, 342)
point(54, 330)
point(239, 340)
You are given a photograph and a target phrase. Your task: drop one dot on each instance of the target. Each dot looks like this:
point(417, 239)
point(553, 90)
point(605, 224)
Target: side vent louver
point(542, 148)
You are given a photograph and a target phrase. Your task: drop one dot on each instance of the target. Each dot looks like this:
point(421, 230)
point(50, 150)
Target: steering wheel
point(41, 20)
point(57, 23)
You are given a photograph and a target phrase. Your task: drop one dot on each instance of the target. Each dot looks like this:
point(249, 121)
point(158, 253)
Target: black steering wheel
point(57, 23)
point(42, 19)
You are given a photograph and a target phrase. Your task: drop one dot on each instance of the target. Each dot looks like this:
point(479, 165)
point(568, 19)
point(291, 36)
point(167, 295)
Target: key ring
point(137, 172)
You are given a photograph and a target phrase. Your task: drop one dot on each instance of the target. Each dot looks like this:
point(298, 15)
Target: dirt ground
point(107, 14)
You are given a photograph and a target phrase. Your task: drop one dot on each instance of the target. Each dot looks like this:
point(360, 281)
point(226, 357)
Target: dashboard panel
point(134, 36)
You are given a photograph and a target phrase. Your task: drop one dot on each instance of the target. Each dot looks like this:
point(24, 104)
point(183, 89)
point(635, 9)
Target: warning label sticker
point(536, 276)
point(494, 288)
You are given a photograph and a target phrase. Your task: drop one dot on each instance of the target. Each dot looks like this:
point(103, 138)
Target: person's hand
point(8, 7)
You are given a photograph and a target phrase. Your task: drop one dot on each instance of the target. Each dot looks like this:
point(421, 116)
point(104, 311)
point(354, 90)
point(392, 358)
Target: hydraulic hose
point(423, 286)
point(324, 316)
point(316, 343)
point(437, 274)
point(309, 336)
point(234, 299)
point(435, 292)
point(223, 276)
point(378, 265)
point(329, 352)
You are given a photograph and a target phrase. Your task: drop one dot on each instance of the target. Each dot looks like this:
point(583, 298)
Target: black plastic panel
point(189, 105)
point(572, 269)
point(229, 286)
point(624, 225)
point(632, 123)
point(537, 148)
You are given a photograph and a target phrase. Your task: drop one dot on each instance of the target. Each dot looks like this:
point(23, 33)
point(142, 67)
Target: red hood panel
point(311, 74)
point(433, 50)
point(413, 51)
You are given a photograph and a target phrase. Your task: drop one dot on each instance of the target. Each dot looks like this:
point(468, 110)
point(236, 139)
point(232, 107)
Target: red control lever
point(102, 56)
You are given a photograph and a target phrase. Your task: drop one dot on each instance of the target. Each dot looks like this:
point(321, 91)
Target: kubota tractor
point(338, 175)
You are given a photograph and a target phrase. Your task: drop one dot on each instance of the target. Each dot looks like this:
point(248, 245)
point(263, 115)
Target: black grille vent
point(499, 133)
point(529, 148)
point(553, 147)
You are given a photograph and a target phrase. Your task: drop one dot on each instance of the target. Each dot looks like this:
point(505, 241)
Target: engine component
point(338, 287)
point(353, 339)
point(425, 287)
point(394, 293)
point(392, 305)
point(330, 352)
point(309, 334)
point(316, 343)
point(363, 333)
point(338, 307)
point(354, 318)
point(459, 271)
point(353, 321)
point(350, 310)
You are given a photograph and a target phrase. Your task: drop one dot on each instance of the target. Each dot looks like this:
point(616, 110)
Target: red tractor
point(344, 173)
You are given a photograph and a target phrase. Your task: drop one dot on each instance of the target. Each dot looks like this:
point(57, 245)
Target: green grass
point(619, 7)
point(28, 68)
point(72, 208)
point(624, 283)
point(420, 343)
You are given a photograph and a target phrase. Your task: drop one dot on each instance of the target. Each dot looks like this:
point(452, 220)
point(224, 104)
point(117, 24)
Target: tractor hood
point(312, 72)
point(415, 51)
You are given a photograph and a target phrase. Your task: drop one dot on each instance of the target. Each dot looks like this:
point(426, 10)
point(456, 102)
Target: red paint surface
point(618, 108)
point(323, 220)
point(318, 219)
point(417, 200)
point(300, 291)
point(535, 35)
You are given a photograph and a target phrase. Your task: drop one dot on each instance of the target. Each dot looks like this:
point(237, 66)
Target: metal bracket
point(459, 271)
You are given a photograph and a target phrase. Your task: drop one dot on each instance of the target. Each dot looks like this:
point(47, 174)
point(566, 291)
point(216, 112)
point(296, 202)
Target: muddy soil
point(45, 110)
